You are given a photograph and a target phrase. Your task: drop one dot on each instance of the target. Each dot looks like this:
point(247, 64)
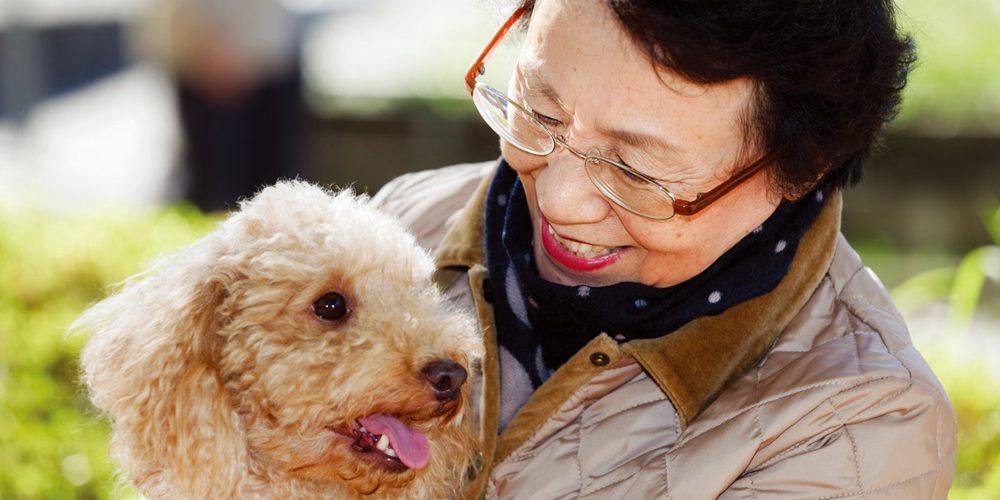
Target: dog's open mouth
point(389, 442)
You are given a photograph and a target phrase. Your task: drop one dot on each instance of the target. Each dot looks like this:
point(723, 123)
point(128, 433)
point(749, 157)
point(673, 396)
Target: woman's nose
point(565, 192)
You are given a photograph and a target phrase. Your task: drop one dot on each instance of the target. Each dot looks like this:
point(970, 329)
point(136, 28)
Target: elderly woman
point(656, 263)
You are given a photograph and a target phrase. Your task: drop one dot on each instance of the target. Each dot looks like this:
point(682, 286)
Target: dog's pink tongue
point(411, 446)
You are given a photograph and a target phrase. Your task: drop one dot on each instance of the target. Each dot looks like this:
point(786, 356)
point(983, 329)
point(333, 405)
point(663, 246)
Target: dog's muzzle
point(445, 378)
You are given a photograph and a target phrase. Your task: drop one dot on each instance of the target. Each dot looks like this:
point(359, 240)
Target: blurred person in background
point(668, 305)
point(236, 68)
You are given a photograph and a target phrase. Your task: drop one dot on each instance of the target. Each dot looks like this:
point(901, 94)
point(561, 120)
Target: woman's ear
point(151, 364)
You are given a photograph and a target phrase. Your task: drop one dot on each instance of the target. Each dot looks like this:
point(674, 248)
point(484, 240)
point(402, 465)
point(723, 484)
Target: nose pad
point(565, 193)
point(445, 378)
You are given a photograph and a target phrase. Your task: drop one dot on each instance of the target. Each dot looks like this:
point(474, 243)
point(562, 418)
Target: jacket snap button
point(487, 291)
point(599, 359)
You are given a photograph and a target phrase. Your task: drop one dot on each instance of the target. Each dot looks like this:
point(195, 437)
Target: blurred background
point(128, 126)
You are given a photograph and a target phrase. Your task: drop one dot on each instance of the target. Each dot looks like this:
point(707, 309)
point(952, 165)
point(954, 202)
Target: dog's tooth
point(383, 443)
point(391, 452)
point(362, 429)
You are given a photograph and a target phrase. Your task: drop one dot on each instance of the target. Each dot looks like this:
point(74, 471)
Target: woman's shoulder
point(848, 348)
point(427, 202)
point(842, 395)
point(848, 332)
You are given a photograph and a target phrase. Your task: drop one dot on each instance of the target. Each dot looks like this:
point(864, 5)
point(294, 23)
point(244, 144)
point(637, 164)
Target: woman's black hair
point(828, 74)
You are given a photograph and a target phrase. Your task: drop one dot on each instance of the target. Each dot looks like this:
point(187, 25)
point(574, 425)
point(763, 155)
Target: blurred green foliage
point(967, 377)
point(955, 86)
point(52, 442)
point(961, 285)
point(967, 373)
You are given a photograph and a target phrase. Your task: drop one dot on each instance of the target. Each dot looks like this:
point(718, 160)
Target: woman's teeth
point(583, 250)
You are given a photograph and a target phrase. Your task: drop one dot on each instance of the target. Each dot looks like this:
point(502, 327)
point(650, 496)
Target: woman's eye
point(331, 306)
point(547, 120)
point(632, 177)
point(634, 174)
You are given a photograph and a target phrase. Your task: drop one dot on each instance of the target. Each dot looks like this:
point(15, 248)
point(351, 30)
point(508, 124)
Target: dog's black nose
point(445, 378)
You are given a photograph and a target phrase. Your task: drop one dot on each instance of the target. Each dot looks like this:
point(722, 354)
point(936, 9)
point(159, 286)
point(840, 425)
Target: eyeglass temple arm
point(704, 199)
point(478, 66)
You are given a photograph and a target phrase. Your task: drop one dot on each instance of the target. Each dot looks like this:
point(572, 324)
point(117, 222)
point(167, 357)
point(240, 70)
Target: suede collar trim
point(463, 245)
point(694, 363)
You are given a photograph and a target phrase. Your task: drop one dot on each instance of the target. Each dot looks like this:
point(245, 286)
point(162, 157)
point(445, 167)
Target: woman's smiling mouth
point(575, 255)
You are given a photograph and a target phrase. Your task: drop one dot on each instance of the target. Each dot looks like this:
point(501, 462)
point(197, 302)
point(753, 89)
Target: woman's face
point(586, 80)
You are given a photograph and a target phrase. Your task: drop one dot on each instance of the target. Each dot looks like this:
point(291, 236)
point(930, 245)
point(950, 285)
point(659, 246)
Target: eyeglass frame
point(683, 207)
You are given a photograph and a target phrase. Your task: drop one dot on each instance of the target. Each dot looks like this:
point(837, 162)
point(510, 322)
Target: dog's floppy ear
point(151, 365)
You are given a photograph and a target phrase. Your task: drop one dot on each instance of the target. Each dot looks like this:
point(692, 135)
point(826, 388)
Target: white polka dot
point(714, 297)
point(780, 246)
point(583, 291)
point(502, 200)
point(641, 303)
point(819, 195)
point(758, 229)
point(620, 337)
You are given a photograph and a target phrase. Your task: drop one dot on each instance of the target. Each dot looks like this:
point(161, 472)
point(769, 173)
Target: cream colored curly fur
point(221, 381)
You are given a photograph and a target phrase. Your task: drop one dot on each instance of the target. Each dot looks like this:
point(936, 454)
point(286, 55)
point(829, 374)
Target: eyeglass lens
point(523, 131)
point(512, 123)
point(629, 190)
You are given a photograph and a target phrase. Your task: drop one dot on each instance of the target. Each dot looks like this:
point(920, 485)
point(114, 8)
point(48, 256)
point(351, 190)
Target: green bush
point(52, 443)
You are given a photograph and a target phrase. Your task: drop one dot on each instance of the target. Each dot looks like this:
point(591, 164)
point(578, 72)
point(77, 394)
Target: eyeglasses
point(625, 186)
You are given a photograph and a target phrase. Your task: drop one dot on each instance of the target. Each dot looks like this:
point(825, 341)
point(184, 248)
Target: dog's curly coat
point(222, 381)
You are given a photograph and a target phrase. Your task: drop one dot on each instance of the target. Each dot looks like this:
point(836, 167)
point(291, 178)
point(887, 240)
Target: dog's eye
point(330, 306)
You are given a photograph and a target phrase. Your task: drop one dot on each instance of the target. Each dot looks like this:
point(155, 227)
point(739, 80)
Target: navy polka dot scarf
point(540, 324)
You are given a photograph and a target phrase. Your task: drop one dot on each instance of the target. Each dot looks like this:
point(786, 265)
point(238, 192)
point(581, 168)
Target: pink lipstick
point(570, 260)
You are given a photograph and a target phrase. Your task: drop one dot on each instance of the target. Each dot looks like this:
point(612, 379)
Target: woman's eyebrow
point(640, 140)
point(534, 82)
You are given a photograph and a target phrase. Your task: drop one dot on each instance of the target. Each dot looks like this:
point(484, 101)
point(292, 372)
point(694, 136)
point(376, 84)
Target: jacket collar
point(463, 246)
point(695, 362)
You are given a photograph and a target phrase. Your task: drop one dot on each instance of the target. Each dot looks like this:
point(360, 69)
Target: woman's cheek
point(523, 163)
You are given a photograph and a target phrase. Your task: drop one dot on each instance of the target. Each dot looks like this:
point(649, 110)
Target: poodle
point(298, 351)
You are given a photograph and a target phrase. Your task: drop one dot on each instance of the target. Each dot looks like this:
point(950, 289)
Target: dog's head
point(302, 343)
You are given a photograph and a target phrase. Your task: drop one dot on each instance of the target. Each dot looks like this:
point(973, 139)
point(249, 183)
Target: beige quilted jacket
point(811, 391)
